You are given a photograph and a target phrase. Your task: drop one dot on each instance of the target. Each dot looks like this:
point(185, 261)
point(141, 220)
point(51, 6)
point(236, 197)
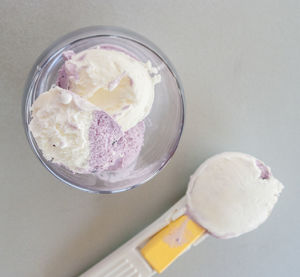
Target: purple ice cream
point(66, 72)
point(110, 148)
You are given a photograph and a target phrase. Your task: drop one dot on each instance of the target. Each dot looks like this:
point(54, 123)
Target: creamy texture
point(115, 82)
point(72, 132)
point(231, 194)
point(93, 119)
point(60, 125)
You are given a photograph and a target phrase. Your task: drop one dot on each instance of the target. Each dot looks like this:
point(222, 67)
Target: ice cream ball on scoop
point(231, 194)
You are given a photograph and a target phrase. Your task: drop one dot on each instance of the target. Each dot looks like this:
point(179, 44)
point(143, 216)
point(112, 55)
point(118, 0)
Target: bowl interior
point(163, 125)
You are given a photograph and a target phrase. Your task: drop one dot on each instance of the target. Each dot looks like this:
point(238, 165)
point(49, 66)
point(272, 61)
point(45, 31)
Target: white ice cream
point(115, 82)
point(231, 194)
point(60, 125)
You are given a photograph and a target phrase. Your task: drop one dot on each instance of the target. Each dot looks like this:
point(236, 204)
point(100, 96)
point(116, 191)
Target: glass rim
point(82, 34)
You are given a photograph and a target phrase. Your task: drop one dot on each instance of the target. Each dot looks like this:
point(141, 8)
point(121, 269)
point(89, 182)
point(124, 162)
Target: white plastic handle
point(127, 261)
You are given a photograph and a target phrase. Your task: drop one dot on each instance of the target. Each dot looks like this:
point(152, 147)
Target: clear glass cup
point(163, 125)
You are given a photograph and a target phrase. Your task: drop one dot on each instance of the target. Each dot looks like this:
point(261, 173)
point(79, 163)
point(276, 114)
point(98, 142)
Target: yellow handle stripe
point(167, 244)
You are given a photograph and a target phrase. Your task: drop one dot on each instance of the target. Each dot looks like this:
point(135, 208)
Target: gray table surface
point(240, 66)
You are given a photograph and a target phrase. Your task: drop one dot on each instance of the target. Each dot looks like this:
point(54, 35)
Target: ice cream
point(114, 81)
point(231, 194)
point(92, 120)
point(60, 125)
point(75, 133)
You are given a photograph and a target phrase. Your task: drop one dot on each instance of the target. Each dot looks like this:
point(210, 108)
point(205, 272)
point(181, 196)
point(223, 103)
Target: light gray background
point(239, 63)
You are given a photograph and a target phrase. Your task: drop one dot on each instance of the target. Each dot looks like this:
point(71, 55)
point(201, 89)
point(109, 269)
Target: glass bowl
point(163, 125)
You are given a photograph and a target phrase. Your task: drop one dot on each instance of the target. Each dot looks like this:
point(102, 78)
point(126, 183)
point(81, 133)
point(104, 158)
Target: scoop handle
point(127, 261)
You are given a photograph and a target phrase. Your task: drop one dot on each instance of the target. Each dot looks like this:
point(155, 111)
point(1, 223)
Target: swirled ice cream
point(92, 120)
point(115, 82)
